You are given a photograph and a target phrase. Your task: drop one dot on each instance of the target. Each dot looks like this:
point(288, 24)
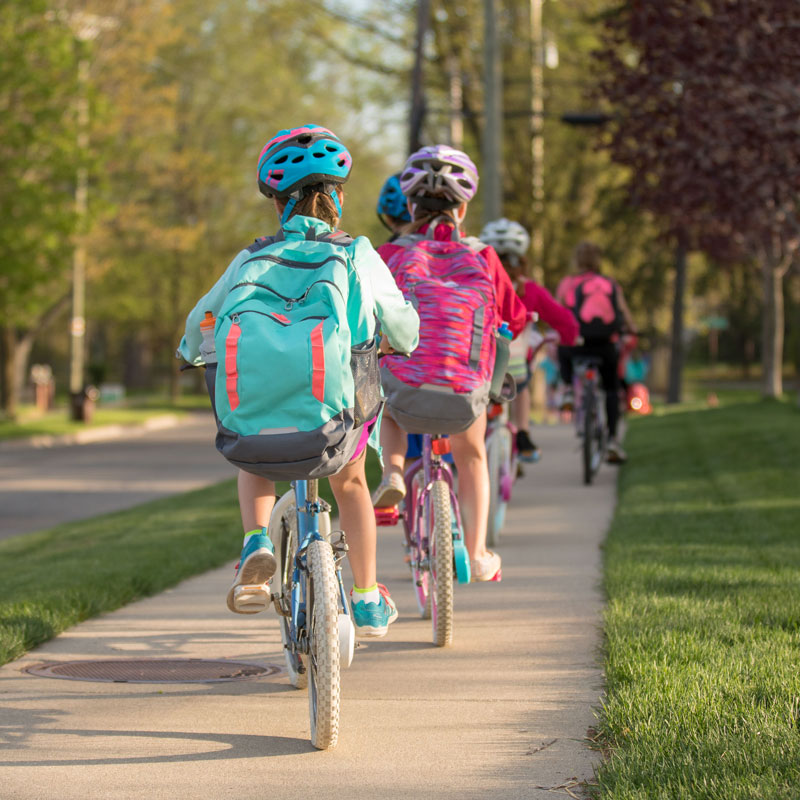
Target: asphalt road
point(41, 487)
point(504, 712)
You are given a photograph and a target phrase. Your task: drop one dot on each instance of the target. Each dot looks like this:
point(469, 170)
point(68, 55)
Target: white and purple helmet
point(439, 177)
point(506, 237)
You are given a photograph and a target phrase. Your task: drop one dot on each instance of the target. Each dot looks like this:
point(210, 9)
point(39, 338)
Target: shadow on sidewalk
point(239, 746)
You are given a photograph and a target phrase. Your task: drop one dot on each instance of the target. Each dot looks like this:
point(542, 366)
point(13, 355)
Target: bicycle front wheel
point(440, 535)
point(324, 690)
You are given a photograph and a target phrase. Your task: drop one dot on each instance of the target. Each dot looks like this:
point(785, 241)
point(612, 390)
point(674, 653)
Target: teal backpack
point(297, 365)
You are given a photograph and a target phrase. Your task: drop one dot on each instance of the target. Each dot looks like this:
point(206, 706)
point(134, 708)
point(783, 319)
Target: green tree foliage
point(194, 90)
point(38, 162)
point(585, 193)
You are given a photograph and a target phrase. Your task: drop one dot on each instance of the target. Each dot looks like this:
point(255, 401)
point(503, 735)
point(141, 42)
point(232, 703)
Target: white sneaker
point(391, 491)
point(486, 568)
point(615, 454)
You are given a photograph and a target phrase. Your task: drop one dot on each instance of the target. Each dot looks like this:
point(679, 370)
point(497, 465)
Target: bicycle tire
point(284, 537)
point(498, 453)
point(588, 435)
point(440, 534)
point(324, 687)
point(420, 576)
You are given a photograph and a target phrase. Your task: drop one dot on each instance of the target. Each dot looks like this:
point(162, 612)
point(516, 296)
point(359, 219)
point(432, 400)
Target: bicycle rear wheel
point(440, 536)
point(283, 531)
point(324, 689)
point(420, 572)
point(589, 439)
point(498, 454)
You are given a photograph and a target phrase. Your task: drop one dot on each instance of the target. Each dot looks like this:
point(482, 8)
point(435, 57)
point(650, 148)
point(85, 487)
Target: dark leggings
point(606, 351)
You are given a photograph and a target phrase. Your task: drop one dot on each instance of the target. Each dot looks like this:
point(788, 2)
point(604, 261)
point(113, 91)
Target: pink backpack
point(444, 386)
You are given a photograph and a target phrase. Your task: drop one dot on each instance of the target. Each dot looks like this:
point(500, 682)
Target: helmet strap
point(335, 198)
point(287, 212)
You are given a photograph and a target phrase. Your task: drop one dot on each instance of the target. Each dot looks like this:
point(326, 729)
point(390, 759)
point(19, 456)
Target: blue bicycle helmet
point(392, 201)
point(303, 157)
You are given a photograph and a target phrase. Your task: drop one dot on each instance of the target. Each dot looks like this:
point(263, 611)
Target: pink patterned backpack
point(444, 385)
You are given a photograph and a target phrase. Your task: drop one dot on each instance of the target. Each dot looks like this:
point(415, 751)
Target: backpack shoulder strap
point(474, 243)
point(339, 238)
point(265, 241)
point(408, 240)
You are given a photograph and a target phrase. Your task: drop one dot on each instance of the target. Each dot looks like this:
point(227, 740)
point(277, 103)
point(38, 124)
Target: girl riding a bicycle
point(302, 171)
point(511, 241)
point(438, 182)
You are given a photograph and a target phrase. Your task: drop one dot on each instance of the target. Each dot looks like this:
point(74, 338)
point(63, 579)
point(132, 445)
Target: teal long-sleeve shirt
point(382, 299)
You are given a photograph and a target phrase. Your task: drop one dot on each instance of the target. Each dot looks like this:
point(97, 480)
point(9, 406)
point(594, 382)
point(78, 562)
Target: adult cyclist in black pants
point(599, 306)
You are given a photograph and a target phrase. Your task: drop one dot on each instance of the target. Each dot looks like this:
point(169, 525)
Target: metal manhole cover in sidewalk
point(154, 670)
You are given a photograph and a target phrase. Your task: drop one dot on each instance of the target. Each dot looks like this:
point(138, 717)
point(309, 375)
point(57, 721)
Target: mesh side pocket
point(366, 380)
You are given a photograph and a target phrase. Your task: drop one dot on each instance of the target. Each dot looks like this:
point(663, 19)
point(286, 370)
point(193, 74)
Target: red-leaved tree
point(706, 104)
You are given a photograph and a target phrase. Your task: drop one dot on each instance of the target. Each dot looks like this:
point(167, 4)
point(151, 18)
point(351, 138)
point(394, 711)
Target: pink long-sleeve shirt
point(537, 299)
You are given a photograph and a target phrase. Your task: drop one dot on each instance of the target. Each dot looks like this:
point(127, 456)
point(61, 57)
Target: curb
point(91, 435)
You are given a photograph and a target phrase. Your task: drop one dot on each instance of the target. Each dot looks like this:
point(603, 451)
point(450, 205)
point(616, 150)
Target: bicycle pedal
point(387, 516)
point(251, 598)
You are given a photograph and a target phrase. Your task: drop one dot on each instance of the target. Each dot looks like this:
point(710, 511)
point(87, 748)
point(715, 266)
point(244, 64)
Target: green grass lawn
point(57, 422)
point(56, 578)
point(702, 649)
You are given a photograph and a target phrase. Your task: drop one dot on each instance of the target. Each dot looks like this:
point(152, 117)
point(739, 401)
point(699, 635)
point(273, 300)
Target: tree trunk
point(17, 351)
point(10, 398)
point(772, 326)
point(676, 349)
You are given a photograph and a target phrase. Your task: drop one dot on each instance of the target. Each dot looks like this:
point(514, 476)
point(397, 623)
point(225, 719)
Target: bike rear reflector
point(495, 410)
point(440, 446)
point(387, 516)
point(590, 374)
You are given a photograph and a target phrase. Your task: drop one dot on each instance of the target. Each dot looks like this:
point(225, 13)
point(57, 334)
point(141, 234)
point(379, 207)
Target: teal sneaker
point(372, 620)
point(249, 592)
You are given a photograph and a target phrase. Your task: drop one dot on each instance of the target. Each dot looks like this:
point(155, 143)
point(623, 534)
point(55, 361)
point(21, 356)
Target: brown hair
point(314, 204)
point(423, 217)
point(586, 257)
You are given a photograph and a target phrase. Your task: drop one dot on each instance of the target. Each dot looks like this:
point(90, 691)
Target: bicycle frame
point(309, 505)
point(433, 469)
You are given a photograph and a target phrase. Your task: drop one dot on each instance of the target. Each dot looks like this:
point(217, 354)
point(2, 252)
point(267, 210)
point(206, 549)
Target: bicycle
point(503, 457)
point(434, 536)
point(316, 627)
point(590, 424)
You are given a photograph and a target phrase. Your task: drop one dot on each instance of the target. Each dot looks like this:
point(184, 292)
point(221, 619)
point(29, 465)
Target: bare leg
point(469, 453)
point(256, 500)
point(357, 520)
point(394, 444)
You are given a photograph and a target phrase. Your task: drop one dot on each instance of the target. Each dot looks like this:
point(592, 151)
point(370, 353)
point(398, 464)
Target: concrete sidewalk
point(505, 710)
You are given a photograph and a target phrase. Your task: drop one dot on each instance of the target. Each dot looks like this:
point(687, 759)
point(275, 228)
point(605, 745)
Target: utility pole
point(86, 28)
point(456, 103)
point(417, 115)
point(537, 138)
point(492, 105)
point(78, 321)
